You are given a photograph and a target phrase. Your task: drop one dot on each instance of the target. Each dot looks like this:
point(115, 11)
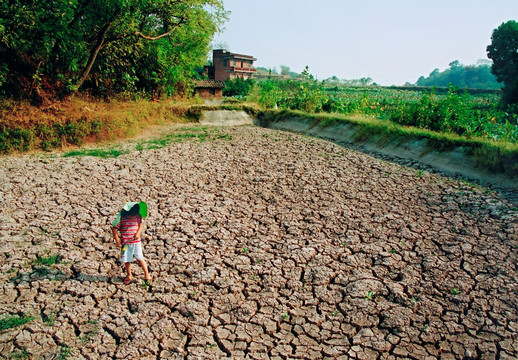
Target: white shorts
point(130, 251)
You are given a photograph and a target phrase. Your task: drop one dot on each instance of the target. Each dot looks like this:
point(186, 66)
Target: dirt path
point(263, 245)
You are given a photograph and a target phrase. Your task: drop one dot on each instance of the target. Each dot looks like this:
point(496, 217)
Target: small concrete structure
point(209, 89)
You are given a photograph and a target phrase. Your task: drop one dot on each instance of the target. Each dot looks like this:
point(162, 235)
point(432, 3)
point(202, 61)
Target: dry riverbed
point(262, 245)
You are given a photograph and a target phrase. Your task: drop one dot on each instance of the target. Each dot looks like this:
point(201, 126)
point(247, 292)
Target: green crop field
point(476, 114)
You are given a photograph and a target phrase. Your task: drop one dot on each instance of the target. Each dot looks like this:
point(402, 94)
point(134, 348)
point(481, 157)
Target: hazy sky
point(391, 41)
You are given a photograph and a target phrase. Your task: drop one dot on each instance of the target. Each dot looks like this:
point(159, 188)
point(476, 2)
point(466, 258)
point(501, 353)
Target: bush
point(238, 87)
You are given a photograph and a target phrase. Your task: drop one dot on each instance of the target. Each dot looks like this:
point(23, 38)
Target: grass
point(12, 321)
point(48, 320)
point(102, 153)
point(24, 354)
point(48, 261)
point(201, 134)
point(64, 353)
point(79, 120)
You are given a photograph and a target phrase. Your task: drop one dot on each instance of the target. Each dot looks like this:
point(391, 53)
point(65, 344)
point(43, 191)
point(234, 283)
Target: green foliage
point(477, 76)
point(24, 354)
point(102, 153)
point(50, 260)
point(238, 87)
point(64, 352)
point(452, 112)
point(12, 321)
point(15, 139)
point(110, 46)
point(503, 50)
point(306, 95)
point(269, 94)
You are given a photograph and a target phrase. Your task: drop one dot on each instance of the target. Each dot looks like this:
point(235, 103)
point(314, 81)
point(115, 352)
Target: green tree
point(55, 45)
point(477, 76)
point(238, 87)
point(503, 50)
point(285, 70)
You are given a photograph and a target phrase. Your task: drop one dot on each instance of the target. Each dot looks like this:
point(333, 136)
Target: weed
point(454, 291)
point(420, 173)
point(41, 271)
point(223, 137)
point(393, 251)
point(89, 335)
point(245, 250)
point(335, 313)
point(50, 260)
point(48, 320)
point(64, 353)
point(146, 284)
point(102, 153)
point(20, 355)
point(210, 346)
point(285, 316)
point(12, 321)
point(369, 296)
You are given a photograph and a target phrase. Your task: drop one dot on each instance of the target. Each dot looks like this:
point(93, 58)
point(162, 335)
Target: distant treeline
point(439, 90)
point(476, 76)
point(445, 90)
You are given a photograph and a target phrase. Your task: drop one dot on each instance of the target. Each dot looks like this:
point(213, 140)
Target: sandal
point(127, 281)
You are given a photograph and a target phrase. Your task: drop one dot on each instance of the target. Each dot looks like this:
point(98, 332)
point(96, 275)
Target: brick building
point(209, 89)
point(227, 65)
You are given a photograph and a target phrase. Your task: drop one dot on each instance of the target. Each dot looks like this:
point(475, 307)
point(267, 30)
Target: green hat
point(127, 207)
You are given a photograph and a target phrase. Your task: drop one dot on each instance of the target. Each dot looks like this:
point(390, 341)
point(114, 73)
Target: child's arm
point(116, 236)
point(140, 227)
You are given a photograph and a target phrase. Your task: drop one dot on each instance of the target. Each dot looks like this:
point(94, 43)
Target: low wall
point(226, 118)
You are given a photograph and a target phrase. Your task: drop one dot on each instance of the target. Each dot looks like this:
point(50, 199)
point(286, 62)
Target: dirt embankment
point(263, 245)
point(456, 161)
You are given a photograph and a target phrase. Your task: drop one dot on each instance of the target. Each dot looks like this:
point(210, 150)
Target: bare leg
point(128, 270)
point(144, 267)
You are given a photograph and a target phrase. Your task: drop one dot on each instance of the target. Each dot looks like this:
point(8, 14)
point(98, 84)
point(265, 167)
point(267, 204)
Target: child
point(129, 225)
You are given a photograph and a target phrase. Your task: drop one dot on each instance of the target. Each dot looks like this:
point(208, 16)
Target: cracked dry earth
point(262, 245)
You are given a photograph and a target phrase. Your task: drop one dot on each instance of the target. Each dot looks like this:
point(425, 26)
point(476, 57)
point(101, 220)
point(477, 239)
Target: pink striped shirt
point(128, 227)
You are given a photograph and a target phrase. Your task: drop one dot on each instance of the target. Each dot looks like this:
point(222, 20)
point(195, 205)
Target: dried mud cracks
point(262, 245)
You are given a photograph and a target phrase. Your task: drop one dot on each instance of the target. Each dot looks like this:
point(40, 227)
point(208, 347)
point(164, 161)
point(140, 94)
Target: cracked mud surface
point(262, 245)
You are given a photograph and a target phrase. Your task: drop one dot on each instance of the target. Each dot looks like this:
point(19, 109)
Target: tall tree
point(503, 50)
point(66, 43)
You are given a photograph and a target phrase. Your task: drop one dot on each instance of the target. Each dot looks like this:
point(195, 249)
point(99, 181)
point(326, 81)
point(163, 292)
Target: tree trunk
point(93, 55)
